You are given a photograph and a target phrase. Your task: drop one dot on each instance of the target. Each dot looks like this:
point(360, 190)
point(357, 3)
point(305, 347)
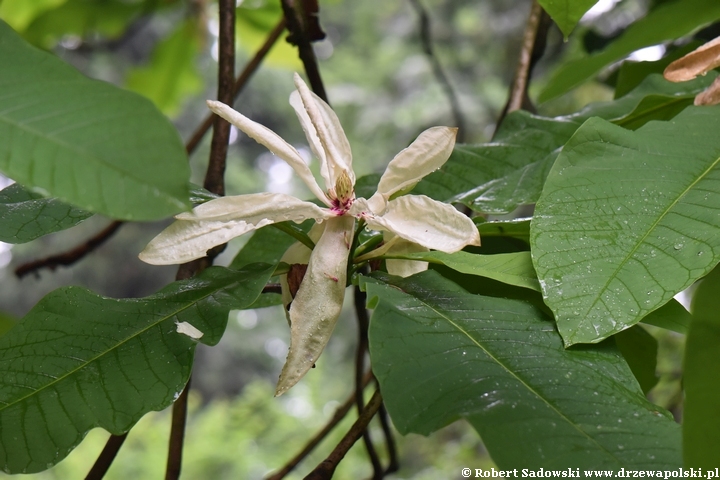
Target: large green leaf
point(511, 268)
point(567, 13)
point(442, 354)
point(84, 141)
point(701, 423)
point(79, 361)
point(668, 21)
point(25, 216)
point(172, 74)
point(627, 220)
point(499, 176)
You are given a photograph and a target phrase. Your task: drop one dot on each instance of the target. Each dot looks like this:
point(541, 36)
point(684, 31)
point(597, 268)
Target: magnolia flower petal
point(403, 268)
point(426, 154)
point(298, 253)
point(256, 206)
point(330, 133)
point(273, 142)
point(698, 62)
point(219, 221)
point(317, 305)
point(427, 222)
point(311, 135)
point(186, 240)
point(709, 96)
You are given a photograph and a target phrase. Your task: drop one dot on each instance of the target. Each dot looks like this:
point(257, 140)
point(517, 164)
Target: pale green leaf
point(701, 423)
point(86, 142)
point(67, 369)
point(25, 216)
point(627, 220)
point(442, 354)
point(567, 13)
point(20, 13)
point(511, 268)
point(668, 21)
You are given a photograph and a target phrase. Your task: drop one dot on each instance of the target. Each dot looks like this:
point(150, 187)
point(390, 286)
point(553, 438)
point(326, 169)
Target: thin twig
point(394, 464)
point(362, 347)
point(177, 435)
point(240, 83)
point(71, 256)
point(339, 414)
point(438, 71)
point(300, 38)
point(327, 467)
point(518, 89)
point(103, 462)
point(533, 47)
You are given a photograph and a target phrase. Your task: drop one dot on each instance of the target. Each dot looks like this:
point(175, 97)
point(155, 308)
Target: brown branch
point(71, 256)
point(362, 347)
point(177, 435)
point(533, 47)
point(215, 175)
point(393, 464)
point(327, 467)
point(339, 414)
point(301, 37)
point(240, 83)
point(438, 71)
point(108, 454)
point(215, 183)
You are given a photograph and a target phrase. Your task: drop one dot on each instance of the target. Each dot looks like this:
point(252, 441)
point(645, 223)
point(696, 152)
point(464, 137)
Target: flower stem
point(296, 233)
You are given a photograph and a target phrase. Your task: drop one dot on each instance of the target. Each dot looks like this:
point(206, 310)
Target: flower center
point(343, 195)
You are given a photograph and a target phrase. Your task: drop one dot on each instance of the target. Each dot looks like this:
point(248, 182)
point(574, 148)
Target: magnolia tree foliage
point(540, 348)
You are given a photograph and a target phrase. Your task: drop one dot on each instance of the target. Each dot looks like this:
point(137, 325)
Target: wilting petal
point(273, 142)
point(256, 206)
point(404, 268)
point(426, 154)
point(186, 240)
point(317, 305)
point(298, 253)
point(322, 118)
point(698, 62)
point(220, 220)
point(709, 96)
point(429, 223)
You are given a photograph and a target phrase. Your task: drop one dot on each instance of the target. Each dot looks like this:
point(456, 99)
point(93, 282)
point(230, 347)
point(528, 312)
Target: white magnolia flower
point(318, 301)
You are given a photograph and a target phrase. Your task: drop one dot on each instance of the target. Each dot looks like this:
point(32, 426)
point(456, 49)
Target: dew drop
point(678, 246)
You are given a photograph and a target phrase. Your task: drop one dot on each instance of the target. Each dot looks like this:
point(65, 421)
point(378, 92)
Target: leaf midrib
point(648, 232)
point(514, 375)
point(115, 347)
point(82, 153)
